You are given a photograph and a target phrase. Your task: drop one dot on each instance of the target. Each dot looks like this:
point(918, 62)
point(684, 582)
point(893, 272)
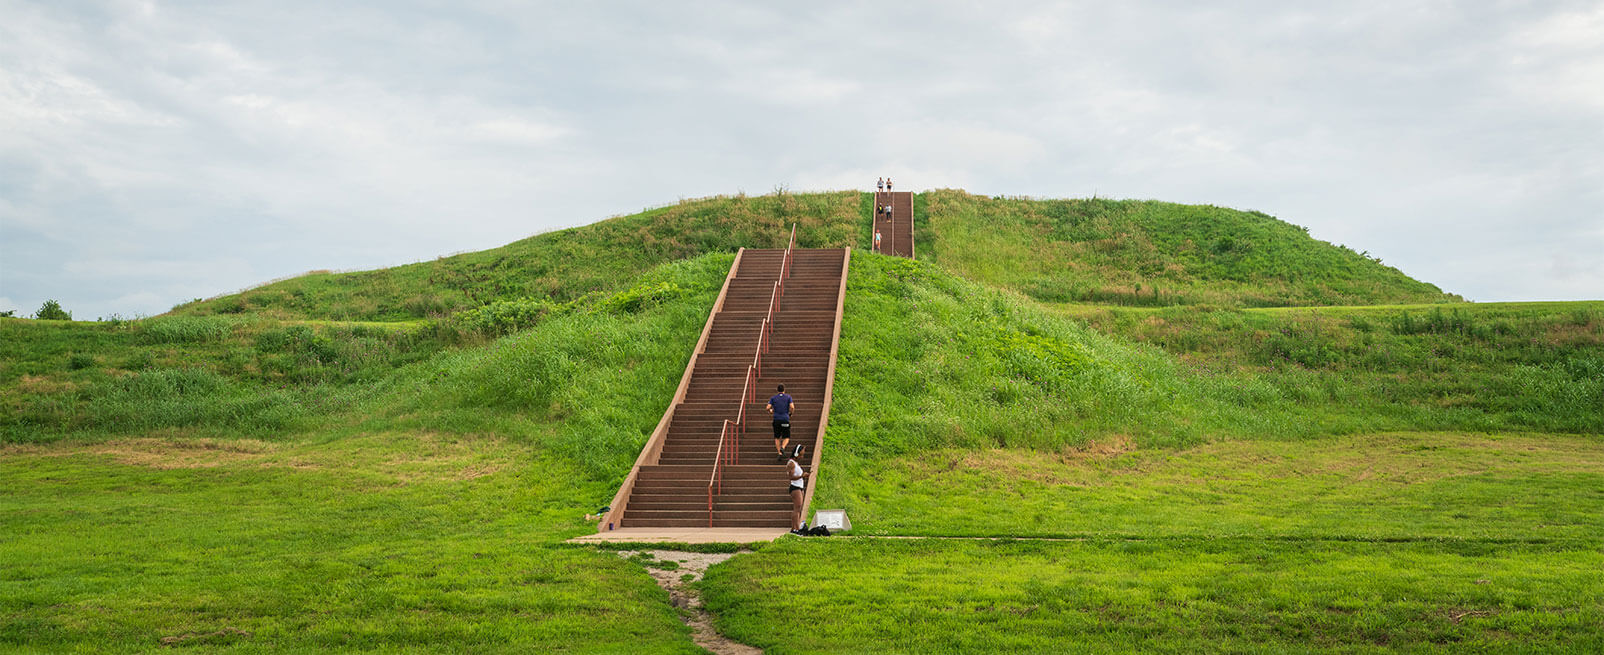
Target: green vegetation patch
point(416, 508)
point(391, 543)
point(1167, 596)
point(1138, 252)
point(220, 376)
point(1537, 366)
point(928, 360)
point(559, 267)
point(1366, 487)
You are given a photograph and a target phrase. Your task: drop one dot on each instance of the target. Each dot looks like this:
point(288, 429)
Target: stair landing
point(683, 536)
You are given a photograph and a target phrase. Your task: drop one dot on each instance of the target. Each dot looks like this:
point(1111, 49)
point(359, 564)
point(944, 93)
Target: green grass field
point(370, 542)
point(1160, 596)
point(389, 461)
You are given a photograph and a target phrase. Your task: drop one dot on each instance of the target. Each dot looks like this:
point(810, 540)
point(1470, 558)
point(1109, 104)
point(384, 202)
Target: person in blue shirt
point(780, 406)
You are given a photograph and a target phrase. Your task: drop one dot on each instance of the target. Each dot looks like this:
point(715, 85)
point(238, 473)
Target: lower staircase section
point(778, 322)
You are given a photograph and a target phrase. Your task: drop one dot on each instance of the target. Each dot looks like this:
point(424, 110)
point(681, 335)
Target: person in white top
point(799, 484)
point(879, 184)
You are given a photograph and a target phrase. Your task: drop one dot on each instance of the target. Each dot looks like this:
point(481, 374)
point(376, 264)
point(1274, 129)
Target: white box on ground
point(834, 519)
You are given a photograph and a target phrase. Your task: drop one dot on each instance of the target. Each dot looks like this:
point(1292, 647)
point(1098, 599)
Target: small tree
point(52, 311)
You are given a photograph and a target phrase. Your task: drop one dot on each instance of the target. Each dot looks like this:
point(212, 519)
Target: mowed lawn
point(1160, 595)
point(1397, 486)
point(1432, 542)
point(379, 543)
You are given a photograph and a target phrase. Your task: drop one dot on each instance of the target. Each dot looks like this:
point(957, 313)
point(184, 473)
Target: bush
point(504, 316)
point(52, 311)
point(641, 297)
point(80, 361)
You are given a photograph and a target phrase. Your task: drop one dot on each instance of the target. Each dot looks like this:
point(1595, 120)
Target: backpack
point(817, 531)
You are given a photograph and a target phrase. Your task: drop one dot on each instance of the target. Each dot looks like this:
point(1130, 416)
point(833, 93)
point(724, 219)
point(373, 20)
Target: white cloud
point(185, 150)
point(516, 131)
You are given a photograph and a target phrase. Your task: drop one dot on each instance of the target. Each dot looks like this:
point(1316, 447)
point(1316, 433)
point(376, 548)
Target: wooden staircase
point(896, 235)
point(712, 462)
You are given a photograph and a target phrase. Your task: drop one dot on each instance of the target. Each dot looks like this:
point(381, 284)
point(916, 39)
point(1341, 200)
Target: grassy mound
point(414, 510)
point(1136, 252)
point(1533, 366)
point(1332, 478)
point(557, 266)
point(1125, 252)
point(954, 399)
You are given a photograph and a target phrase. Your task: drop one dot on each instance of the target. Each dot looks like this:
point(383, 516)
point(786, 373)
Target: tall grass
point(562, 266)
point(1147, 253)
point(1530, 366)
point(586, 385)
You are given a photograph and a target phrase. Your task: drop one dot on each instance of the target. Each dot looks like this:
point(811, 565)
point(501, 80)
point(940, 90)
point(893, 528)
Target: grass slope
point(1224, 499)
point(1533, 366)
point(418, 510)
point(1167, 596)
point(955, 401)
point(561, 266)
point(1138, 252)
point(1127, 252)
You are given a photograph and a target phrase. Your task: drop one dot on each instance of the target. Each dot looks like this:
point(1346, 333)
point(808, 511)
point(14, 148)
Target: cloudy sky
point(154, 152)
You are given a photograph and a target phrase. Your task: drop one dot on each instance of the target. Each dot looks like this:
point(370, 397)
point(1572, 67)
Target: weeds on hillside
point(560, 267)
point(1146, 253)
point(1521, 366)
point(232, 375)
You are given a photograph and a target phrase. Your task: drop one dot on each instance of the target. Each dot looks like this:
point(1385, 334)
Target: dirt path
point(677, 578)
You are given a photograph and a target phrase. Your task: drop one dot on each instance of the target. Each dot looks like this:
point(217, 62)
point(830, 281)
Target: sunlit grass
point(1131, 252)
point(1160, 596)
point(259, 473)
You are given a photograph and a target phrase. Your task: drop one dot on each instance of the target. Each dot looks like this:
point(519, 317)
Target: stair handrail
point(716, 478)
point(749, 383)
point(913, 243)
point(891, 219)
point(651, 452)
point(748, 390)
point(774, 302)
point(785, 262)
point(762, 347)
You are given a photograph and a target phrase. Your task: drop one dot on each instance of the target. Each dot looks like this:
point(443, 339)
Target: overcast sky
point(155, 152)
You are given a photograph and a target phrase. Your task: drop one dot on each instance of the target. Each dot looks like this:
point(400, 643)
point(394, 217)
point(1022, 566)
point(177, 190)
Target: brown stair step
point(701, 483)
point(744, 472)
point(701, 513)
point(629, 522)
point(683, 504)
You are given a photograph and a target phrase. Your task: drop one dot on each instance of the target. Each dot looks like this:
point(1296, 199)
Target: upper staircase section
point(896, 229)
point(712, 460)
